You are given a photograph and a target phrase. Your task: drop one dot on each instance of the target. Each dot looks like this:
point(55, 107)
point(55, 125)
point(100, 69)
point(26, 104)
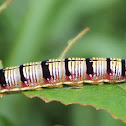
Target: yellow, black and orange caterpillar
point(56, 72)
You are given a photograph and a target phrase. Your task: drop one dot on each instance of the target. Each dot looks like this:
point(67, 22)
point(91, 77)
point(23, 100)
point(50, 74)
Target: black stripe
point(67, 72)
point(45, 69)
point(23, 79)
point(123, 67)
point(2, 78)
point(108, 66)
point(89, 64)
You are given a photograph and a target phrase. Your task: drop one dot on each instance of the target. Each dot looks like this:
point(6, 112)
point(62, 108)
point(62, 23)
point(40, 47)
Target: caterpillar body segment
point(56, 72)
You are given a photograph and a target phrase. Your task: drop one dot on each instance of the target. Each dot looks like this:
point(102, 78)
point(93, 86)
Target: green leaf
point(5, 121)
point(110, 97)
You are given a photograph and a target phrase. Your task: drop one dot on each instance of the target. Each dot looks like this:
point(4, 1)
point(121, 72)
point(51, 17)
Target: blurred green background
point(35, 30)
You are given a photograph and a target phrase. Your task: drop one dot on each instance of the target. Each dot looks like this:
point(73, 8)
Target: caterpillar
point(56, 72)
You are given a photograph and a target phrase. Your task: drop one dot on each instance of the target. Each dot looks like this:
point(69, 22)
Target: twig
point(1, 64)
point(4, 5)
point(72, 42)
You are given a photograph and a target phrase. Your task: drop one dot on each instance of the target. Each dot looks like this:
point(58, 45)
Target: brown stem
point(72, 42)
point(4, 5)
point(1, 65)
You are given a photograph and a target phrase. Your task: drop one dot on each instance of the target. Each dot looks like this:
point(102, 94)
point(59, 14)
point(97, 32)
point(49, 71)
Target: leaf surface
point(110, 97)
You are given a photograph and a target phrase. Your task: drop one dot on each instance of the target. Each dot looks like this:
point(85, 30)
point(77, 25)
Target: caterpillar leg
point(77, 86)
point(97, 82)
point(74, 83)
point(55, 86)
point(39, 89)
point(1, 95)
point(100, 83)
